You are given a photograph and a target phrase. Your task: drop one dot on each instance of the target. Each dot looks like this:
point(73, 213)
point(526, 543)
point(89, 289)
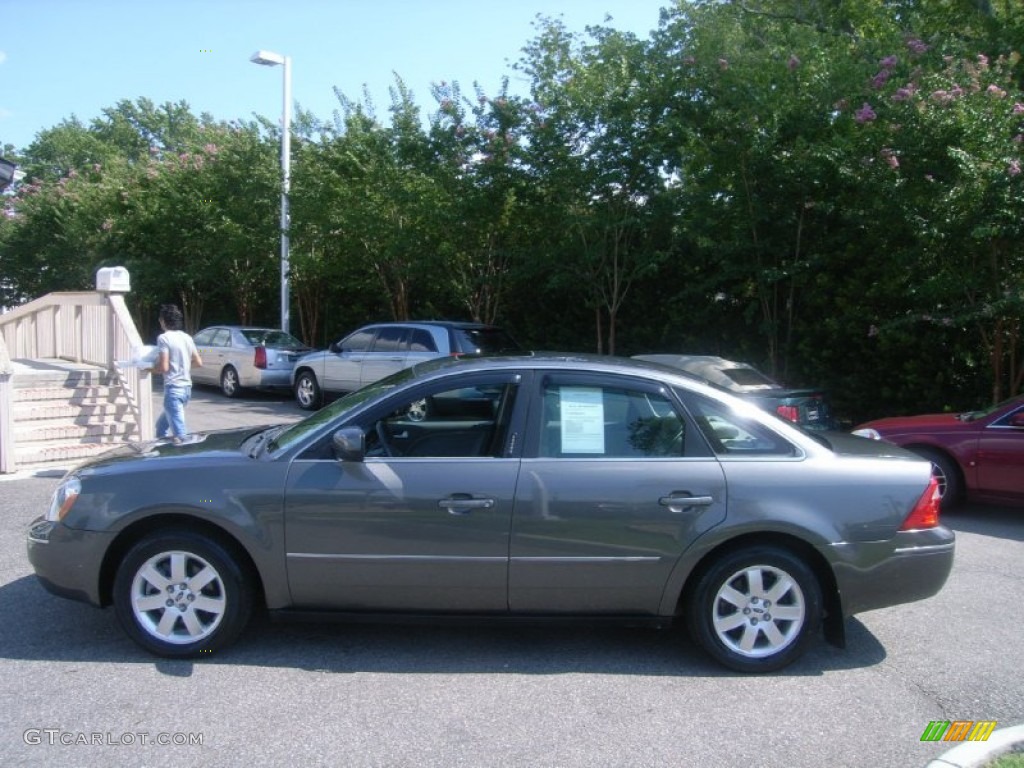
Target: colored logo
point(958, 730)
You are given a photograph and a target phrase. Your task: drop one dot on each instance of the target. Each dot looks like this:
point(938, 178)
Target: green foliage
point(830, 190)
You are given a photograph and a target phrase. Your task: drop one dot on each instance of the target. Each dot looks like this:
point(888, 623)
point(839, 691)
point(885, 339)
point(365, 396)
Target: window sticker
point(582, 419)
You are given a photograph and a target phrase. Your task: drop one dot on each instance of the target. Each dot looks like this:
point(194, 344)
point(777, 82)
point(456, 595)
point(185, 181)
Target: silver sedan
point(242, 356)
point(540, 487)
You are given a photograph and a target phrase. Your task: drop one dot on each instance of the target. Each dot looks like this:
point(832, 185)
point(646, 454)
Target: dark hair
point(172, 317)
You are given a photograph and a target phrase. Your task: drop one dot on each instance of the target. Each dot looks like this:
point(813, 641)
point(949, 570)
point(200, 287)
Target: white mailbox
point(113, 280)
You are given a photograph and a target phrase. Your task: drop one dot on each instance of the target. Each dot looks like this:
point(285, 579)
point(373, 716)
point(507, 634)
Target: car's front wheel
point(755, 610)
point(229, 382)
point(178, 594)
point(307, 391)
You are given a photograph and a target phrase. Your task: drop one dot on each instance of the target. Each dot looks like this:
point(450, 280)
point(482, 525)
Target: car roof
point(569, 361)
point(712, 368)
point(241, 328)
point(457, 324)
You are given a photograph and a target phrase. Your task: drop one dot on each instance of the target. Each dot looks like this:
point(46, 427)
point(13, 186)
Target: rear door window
point(421, 340)
point(391, 340)
point(592, 419)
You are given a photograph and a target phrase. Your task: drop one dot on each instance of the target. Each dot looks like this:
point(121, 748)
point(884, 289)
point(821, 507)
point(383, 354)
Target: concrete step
point(67, 394)
point(65, 379)
point(35, 410)
point(36, 455)
point(40, 431)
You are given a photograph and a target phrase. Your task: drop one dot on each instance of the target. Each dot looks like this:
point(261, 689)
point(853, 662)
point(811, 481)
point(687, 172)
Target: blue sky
point(60, 58)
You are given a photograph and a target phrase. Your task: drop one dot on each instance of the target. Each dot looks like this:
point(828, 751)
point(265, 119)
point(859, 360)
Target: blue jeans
point(172, 420)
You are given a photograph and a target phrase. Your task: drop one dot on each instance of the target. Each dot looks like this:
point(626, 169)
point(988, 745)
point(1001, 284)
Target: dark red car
point(977, 455)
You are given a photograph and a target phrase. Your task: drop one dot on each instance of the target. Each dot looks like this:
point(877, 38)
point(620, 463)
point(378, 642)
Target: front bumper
point(68, 562)
point(913, 566)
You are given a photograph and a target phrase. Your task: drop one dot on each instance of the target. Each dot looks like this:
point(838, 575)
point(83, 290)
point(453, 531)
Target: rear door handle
point(461, 504)
point(680, 502)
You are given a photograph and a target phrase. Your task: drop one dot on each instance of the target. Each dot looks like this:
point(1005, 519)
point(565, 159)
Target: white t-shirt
point(179, 348)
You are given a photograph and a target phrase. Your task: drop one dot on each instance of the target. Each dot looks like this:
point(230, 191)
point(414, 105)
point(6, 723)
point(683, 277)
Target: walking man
point(177, 354)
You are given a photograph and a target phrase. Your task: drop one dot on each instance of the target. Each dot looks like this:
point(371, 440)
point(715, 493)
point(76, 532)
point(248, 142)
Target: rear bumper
point(268, 379)
point(913, 566)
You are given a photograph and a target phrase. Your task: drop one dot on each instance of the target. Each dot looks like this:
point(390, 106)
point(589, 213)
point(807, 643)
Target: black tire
point(229, 384)
point(947, 472)
point(180, 594)
point(731, 616)
point(307, 392)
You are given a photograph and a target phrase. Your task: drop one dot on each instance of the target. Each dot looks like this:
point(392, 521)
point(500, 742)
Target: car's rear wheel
point(178, 594)
point(946, 473)
point(307, 391)
point(756, 609)
point(229, 382)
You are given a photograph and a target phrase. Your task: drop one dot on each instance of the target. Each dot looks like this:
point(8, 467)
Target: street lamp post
point(271, 59)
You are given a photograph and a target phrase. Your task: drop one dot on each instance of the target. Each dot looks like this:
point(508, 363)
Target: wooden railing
point(6, 410)
point(90, 327)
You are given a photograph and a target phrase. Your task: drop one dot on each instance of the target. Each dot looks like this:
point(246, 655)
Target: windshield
point(271, 338)
point(975, 415)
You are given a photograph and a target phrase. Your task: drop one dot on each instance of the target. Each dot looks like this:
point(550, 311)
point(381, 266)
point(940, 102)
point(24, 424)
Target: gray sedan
point(237, 356)
point(533, 487)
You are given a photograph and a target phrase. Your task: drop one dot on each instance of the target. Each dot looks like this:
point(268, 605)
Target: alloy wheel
point(758, 611)
point(178, 597)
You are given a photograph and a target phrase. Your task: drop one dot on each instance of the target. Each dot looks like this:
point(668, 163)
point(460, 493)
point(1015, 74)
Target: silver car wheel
point(178, 597)
point(759, 611)
point(307, 392)
point(229, 382)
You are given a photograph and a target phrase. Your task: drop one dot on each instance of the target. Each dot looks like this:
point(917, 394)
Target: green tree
point(589, 153)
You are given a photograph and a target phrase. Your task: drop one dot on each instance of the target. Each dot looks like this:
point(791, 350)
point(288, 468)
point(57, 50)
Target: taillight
point(925, 513)
point(790, 412)
point(261, 357)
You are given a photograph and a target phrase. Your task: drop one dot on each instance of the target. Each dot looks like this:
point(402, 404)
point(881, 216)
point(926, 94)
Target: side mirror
point(349, 444)
point(334, 347)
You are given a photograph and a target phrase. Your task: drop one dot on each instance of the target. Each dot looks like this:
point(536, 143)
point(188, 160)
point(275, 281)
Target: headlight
point(868, 432)
point(64, 498)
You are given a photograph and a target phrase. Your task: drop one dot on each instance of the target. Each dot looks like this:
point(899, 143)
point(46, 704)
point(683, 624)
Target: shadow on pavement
point(987, 520)
point(54, 629)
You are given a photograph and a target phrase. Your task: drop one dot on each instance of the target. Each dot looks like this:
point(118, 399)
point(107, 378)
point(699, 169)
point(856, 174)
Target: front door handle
point(680, 502)
point(461, 504)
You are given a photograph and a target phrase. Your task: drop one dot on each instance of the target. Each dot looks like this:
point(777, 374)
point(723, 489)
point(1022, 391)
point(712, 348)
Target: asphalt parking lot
point(78, 692)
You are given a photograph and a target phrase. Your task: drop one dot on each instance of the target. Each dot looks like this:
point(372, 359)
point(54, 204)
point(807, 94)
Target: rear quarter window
point(734, 434)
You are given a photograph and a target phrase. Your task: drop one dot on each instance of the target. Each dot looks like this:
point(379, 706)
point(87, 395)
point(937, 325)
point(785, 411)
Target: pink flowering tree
point(946, 143)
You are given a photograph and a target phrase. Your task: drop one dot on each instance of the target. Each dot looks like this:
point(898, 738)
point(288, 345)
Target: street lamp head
point(267, 58)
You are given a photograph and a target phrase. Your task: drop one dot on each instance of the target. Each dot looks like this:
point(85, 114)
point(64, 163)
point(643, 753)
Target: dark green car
point(546, 487)
point(807, 406)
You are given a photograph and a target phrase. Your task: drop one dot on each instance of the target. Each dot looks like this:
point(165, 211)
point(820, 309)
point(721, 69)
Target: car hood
point(923, 423)
point(197, 446)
